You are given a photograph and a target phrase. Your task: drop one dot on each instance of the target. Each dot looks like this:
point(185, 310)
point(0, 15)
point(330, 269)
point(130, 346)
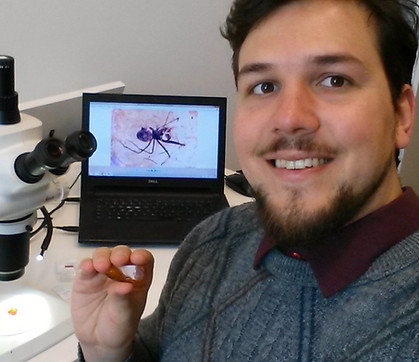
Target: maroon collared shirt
point(347, 255)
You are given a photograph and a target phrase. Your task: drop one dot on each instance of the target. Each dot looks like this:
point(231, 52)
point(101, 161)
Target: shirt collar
point(349, 253)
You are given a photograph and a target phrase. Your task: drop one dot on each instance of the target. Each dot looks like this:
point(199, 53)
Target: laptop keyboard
point(152, 209)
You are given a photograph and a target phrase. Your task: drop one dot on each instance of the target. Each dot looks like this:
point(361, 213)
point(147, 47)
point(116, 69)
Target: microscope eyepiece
point(9, 110)
point(80, 145)
point(55, 156)
point(48, 154)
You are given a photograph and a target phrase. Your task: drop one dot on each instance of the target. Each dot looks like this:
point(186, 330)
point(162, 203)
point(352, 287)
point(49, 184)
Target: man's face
point(315, 118)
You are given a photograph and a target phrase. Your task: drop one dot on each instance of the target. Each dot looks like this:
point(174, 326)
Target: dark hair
point(396, 22)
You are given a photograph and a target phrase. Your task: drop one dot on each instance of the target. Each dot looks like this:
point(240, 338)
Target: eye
point(334, 81)
point(264, 88)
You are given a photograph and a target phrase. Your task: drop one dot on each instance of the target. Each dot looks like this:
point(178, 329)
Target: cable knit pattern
point(217, 307)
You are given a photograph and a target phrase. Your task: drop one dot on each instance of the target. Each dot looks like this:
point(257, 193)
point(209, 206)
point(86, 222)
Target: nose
point(295, 111)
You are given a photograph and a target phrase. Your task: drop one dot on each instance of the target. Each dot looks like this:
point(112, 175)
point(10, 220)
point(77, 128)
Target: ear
point(405, 116)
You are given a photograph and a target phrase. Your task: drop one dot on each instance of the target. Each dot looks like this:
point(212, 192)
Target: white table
point(54, 274)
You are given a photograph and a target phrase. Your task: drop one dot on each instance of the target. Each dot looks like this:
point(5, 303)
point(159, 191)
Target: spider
point(152, 135)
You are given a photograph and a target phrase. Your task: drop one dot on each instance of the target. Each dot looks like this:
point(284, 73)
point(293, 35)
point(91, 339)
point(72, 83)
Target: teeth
point(300, 164)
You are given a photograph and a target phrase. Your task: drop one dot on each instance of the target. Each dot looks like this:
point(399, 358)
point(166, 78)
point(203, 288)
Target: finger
point(125, 305)
point(87, 278)
point(120, 255)
point(86, 270)
point(138, 271)
point(109, 261)
point(142, 257)
point(145, 263)
point(101, 259)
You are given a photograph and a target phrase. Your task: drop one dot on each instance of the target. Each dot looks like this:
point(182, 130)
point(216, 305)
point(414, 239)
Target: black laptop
point(158, 169)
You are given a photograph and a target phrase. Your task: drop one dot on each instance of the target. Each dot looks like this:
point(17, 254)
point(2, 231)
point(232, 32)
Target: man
point(324, 266)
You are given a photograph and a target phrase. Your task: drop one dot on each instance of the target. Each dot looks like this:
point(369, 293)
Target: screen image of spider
point(155, 135)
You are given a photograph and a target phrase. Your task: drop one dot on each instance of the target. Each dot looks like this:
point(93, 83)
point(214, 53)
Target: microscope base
point(31, 321)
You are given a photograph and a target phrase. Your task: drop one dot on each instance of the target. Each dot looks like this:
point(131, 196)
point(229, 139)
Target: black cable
point(70, 229)
point(74, 182)
point(72, 199)
point(48, 236)
point(43, 223)
point(59, 206)
point(38, 229)
point(47, 221)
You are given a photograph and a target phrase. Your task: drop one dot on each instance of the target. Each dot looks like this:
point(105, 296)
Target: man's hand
point(106, 312)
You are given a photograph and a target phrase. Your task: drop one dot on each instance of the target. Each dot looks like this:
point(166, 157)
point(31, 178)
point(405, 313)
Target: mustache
point(300, 143)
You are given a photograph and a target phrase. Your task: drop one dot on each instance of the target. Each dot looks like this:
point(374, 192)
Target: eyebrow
point(336, 58)
point(327, 59)
point(254, 68)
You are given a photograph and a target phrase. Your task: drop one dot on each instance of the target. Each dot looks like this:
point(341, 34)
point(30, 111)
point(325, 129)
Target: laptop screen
point(153, 137)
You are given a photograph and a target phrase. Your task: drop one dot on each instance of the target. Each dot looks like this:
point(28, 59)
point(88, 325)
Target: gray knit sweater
point(217, 307)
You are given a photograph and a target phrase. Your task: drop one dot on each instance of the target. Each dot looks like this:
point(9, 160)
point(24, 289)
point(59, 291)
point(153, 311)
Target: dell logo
point(152, 181)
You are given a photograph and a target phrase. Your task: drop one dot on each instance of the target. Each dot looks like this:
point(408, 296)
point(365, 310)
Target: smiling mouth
point(300, 164)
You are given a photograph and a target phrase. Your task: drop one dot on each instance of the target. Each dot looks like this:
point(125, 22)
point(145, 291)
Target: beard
point(293, 227)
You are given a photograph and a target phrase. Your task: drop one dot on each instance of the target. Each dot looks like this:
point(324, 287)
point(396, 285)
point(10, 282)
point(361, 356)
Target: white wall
point(409, 172)
point(409, 168)
point(153, 46)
